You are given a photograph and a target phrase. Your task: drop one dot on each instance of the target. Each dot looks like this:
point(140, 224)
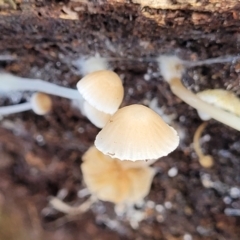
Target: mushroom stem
point(205, 160)
point(10, 82)
point(197, 136)
point(15, 108)
point(61, 206)
point(191, 99)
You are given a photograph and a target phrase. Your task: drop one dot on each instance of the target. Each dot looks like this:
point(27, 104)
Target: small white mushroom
point(136, 133)
point(40, 103)
point(103, 90)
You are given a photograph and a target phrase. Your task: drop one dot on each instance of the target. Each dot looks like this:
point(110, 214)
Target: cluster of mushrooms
point(117, 168)
point(113, 169)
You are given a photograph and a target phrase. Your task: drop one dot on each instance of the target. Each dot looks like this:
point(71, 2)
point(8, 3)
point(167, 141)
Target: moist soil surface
point(40, 156)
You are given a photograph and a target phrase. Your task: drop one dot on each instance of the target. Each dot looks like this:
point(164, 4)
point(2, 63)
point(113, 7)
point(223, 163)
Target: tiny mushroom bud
point(103, 90)
point(220, 98)
point(136, 133)
point(41, 103)
point(22, 107)
point(111, 180)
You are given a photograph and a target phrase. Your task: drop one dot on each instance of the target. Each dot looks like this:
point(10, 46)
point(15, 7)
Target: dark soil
point(39, 156)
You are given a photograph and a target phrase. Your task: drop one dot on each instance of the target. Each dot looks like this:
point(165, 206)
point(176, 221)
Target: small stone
point(227, 200)
point(182, 119)
point(187, 236)
point(40, 139)
point(81, 130)
point(147, 77)
point(203, 231)
point(159, 208)
point(234, 192)
point(130, 91)
point(168, 205)
point(206, 181)
point(172, 172)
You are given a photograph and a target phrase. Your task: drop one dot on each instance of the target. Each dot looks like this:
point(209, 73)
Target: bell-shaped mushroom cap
point(103, 90)
point(136, 133)
point(41, 103)
point(98, 118)
point(109, 180)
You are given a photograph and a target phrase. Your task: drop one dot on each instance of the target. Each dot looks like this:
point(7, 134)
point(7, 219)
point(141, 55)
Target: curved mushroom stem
point(59, 205)
point(15, 108)
point(191, 99)
point(10, 82)
point(205, 160)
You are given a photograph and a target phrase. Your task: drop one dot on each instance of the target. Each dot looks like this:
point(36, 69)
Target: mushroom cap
point(221, 98)
point(110, 180)
point(98, 118)
point(206, 161)
point(136, 133)
point(41, 103)
point(103, 90)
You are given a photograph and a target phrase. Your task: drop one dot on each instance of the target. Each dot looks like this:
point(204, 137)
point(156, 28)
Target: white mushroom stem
point(10, 82)
point(15, 108)
point(63, 207)
point(191, 99)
